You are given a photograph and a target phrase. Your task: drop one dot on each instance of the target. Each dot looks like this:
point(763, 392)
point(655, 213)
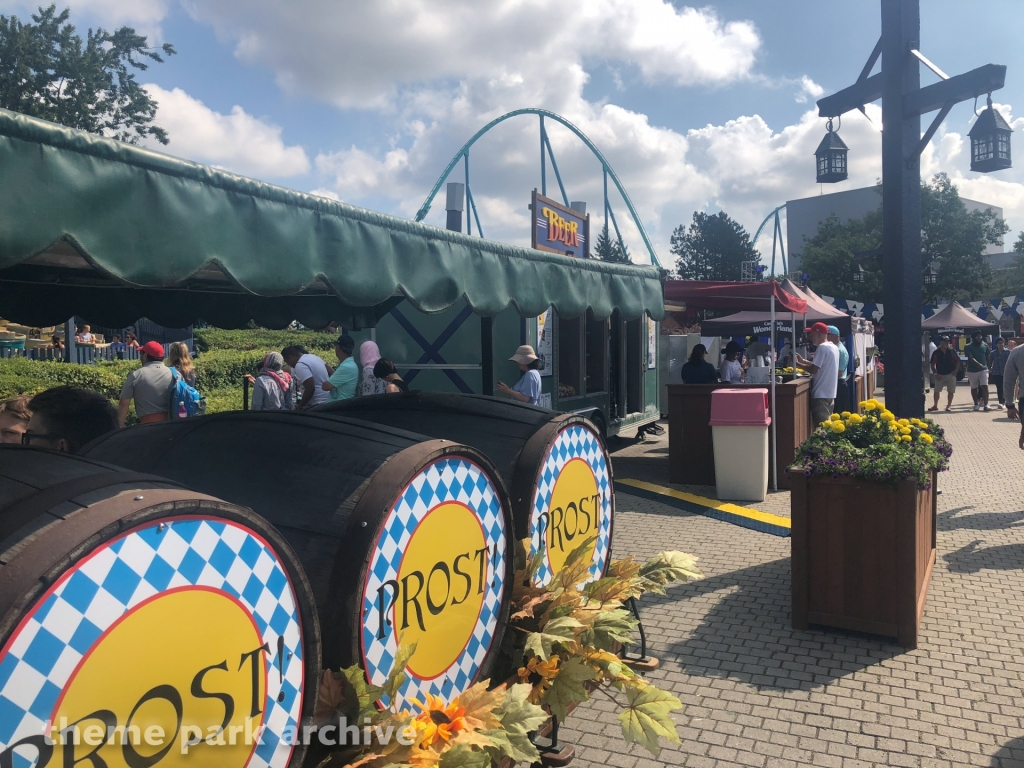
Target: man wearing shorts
point(977, 370)
point(944, 363)
point(1012, 373)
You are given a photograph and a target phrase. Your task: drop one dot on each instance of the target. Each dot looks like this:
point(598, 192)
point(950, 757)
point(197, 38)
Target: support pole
point(543, 168)
point(901, 208)
point(775, 465)
point(605, 199)
point(469, 219)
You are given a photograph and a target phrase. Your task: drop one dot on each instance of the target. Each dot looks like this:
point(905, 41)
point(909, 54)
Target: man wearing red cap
point(825, 370)
point(149, 386)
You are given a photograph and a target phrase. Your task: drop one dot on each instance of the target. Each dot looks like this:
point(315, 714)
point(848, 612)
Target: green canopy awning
point(113, 232)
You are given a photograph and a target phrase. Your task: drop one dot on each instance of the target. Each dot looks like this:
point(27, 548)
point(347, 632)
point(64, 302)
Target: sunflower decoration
point(437, 722)
point(538, 674)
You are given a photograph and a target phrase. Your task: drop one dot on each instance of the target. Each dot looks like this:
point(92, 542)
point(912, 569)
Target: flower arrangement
point(875, 446)
point(564, 637)
point(790, 370)
point(562, 640)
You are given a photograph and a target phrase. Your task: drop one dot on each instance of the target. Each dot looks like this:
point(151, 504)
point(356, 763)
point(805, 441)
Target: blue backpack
point(185, 399)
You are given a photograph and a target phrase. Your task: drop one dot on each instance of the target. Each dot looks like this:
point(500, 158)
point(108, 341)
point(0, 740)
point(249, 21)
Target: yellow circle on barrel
point(442, 578)
point(573, 514)
point(180, 659)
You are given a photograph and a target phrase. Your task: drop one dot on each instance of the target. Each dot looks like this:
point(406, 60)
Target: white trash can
point(739, 433)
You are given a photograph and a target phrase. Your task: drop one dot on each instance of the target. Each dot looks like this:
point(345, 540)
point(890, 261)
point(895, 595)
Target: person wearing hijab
point(272, 389)
point(369, 383)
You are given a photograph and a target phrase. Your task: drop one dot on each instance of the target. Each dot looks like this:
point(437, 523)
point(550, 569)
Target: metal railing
point(82, 355)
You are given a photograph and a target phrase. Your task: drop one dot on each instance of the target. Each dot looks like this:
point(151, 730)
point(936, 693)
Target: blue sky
point(707, 107)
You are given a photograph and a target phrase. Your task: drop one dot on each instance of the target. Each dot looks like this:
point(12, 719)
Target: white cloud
point(367, 54)
point(237, 141)
point(143, 15)
point(809, 90)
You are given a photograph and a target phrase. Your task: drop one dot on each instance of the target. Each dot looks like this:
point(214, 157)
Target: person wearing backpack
point(179, 357)
point(150, 386)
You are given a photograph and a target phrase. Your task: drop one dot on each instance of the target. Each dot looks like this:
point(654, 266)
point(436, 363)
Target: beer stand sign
point(176, 643)
point(437, 577)
point(559, 229)
point(572, 502)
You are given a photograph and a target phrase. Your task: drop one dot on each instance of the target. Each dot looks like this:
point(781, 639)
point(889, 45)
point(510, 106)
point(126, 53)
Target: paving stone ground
point(758, 693)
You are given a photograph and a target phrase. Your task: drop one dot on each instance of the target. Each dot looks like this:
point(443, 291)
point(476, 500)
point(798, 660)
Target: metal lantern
point(831, 157)
point(858, 274)
point(990, 141)
point(931, 275)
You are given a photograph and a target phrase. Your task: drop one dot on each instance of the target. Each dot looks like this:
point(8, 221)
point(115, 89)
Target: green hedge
point(219, 374)
point(263, 341)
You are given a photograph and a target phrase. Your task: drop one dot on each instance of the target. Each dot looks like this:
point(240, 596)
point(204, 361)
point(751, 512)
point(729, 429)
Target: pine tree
point(713, 248)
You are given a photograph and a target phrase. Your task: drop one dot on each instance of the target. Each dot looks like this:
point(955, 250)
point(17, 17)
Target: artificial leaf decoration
point(365, 695)
point(647, 717)
point(397, 675)
point(464, 756)
point(667, 567)
point(518, 719)
point(609, 628)
point(539, 674)
point(330, 697)
point(478, 706)
point(556, 631)
point(567, 686)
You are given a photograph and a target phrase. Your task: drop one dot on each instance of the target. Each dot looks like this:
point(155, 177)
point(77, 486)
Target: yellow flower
point(539, 674)
point(837, 427)
point(856, 418)
point(437, 721)
point(835, 417)
point(867, 405)
point(846, 414)
point(888, 417)
point(927, 438)
point(905, 430)
point(904, 422)
point(906, 438)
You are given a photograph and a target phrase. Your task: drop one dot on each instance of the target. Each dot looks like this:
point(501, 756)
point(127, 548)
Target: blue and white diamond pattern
point(575, 442)
point(452, 479)
point(38, 661)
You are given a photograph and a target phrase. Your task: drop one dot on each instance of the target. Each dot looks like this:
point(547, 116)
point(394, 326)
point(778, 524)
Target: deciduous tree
point(49, 71)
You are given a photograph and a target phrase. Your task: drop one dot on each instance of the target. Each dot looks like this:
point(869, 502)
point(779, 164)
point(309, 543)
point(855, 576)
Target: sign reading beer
point(436, 578)
point(573, 502)
point(178, 643)
point(559, 229)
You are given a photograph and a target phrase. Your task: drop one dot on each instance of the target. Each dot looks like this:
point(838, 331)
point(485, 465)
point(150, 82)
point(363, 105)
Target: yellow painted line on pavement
point(754, 519)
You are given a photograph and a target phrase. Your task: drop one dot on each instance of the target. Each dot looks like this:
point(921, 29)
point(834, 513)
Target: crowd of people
point(984, 366)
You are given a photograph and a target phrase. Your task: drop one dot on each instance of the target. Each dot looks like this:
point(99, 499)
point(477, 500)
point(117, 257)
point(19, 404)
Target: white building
point(803, 217)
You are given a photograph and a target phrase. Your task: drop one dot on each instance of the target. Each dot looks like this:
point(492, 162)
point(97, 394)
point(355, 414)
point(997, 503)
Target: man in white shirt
point(310, 373)
point(825, 370)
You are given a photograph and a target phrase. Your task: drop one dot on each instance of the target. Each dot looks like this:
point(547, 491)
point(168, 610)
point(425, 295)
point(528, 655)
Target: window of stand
point(570, 382)
point(582, 356)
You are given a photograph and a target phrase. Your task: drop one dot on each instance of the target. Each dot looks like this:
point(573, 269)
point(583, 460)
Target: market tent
point(716, 294)
point(955, 319)
point(114, 232)
point(758, 323)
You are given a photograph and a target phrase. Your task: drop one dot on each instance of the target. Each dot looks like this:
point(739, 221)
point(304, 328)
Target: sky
point(707, 107)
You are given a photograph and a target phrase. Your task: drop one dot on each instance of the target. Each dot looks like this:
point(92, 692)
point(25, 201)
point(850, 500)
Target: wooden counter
point(691, 455)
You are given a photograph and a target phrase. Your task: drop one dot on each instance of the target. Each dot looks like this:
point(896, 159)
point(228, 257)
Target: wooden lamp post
point(898, 85)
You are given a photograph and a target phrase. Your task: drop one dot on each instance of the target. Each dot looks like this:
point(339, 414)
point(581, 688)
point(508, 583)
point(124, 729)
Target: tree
point(830, 257)
point(956, 239)
point(1009, 281)
point(952, 238)
point(48, 71)
point(607, 249)
point(713, 248)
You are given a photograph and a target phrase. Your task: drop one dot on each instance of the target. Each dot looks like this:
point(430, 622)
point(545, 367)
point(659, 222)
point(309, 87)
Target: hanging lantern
point(831, 157)
point(931, 275)
point(990, 141)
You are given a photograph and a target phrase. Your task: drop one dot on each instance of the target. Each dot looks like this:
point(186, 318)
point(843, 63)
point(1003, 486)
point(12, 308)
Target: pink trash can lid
point(740, 408)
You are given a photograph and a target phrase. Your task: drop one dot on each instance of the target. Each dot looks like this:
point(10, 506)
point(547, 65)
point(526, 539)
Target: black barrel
point(398, 533)
point(128, 601)
point(555, 464)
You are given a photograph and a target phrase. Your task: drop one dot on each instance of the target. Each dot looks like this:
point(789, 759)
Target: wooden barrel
point(398, 533)
point(132, 603)
point(555, 464)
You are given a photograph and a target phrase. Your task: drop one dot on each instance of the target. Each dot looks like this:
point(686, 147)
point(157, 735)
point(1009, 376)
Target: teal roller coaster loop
point(545, 149)
point(777, 239)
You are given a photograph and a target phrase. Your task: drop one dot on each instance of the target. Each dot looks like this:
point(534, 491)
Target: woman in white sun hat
point(527, 389)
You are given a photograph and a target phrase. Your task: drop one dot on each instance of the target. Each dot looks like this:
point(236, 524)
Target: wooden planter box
point(862, 554)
